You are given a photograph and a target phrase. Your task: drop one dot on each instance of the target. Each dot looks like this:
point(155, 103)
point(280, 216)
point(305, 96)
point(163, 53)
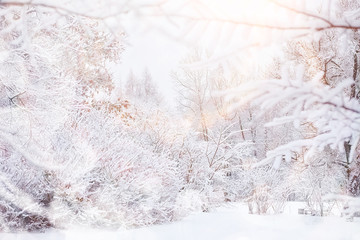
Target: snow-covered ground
point(226, 223)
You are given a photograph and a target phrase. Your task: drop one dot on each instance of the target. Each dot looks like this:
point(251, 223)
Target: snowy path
point(224, 224)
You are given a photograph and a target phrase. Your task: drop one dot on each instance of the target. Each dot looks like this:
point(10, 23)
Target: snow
point(227, 223)
point(138, 166)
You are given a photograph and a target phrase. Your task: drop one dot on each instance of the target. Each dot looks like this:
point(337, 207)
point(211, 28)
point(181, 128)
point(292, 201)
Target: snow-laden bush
point(110, 179)
point(189, 201)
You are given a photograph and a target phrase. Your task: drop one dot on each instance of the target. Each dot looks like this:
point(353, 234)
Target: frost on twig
point(332, 113)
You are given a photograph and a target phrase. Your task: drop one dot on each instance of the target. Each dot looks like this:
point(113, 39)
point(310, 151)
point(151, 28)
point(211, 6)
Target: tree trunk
point(347, 146)
point(355, 73)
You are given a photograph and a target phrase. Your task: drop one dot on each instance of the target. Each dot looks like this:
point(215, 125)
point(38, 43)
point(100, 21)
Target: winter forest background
point(267, 111)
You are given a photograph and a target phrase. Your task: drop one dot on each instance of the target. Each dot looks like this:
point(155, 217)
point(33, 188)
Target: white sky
point(152, 49)
point(158, 53)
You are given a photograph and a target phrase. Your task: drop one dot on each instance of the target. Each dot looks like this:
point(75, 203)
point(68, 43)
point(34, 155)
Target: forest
point(267, 112)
